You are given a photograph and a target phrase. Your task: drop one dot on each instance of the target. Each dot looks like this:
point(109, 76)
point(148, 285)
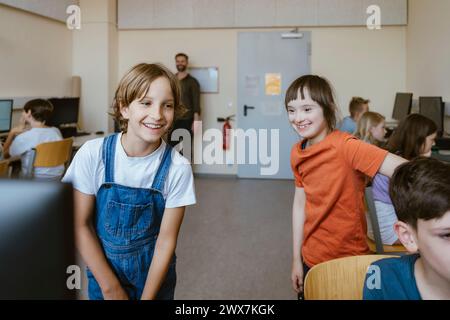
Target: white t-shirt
point(87, 172)
point(24, 142)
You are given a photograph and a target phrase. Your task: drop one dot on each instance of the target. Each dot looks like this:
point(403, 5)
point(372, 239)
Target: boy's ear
point(124, 111)
point(407, 236)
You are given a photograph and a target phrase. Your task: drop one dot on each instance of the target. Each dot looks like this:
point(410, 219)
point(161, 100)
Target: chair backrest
point(339, 279)
point(374, 220)
point(377, 246)
point(53, 154)
point(4, 168)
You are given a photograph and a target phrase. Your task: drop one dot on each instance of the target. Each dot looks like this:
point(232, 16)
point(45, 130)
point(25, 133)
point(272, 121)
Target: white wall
point(35, 56)
point(357, 62)
point(197, 14)
point(95, 61)
point(360, 62)
point(55, 9)
point(428, 50)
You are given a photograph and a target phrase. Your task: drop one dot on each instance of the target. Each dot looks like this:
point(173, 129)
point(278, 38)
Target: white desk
point(79, 141)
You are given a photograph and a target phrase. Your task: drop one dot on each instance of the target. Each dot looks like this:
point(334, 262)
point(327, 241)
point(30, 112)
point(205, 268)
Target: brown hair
point(135, 85)
point(420, 189)
point(409, 137)
point(356, 105)
point(41, 109)
point(367, 122)
point(321, 92)
point(181, 54)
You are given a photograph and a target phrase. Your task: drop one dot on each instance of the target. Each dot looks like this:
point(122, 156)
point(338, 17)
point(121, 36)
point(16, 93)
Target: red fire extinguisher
point(226, 131)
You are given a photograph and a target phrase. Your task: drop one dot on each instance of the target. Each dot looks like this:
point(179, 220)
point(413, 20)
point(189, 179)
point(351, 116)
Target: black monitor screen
point(36, 239)
point(402, 106)
point(65, 111)
point(5, 115)
point(433, 108)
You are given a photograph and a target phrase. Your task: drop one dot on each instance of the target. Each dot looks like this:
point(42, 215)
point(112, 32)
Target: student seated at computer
point(31, 132)
point(413, 138)
point(358, 106)
point(420, 191)
point(371, 129)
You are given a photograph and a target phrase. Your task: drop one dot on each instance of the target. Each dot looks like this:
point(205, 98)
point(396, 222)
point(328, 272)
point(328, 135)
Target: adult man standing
point(190, 96)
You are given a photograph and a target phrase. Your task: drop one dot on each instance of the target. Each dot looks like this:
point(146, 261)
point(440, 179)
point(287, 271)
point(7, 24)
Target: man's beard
point(181, 68)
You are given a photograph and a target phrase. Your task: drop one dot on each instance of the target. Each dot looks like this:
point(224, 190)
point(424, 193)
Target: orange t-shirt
point(332, 174)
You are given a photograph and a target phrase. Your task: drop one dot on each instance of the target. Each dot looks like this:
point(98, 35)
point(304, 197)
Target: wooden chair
point(4, 169)
point(377, 246)
point(52, 154)
point(339, 279)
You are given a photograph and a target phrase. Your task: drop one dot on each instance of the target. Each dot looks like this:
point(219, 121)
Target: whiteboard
point(208, 77)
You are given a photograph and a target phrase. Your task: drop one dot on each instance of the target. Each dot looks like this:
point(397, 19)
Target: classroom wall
point(36, 55)
point(95, 61)
point(428, 50)
point(356, 60)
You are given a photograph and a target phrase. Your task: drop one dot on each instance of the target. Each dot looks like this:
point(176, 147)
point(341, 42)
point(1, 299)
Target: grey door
point(267, 65)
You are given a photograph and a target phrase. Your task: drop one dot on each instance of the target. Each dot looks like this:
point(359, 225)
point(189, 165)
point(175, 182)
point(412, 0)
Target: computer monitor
point(6, 107)
point(36, 239)
point(65, 111)
point(402, 106)
point(433, 108)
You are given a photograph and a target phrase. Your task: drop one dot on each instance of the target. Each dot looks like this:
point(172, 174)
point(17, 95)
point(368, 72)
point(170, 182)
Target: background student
point(358, 106)
point(32, 131)
point(414, 137)
point(371, 128)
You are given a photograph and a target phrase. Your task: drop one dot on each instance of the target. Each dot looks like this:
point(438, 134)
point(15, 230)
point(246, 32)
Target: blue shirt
point(348, 125)
point(392, 279)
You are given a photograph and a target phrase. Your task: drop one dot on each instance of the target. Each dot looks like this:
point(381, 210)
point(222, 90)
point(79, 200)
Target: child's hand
point(116, 294)
point(18, 130)
point(21, 127)
point(297, 276)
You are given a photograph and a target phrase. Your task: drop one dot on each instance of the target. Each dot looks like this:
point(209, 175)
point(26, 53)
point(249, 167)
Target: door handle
point(246, 108)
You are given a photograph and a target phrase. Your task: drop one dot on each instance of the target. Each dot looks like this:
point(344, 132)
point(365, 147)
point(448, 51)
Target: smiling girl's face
point(307, 118)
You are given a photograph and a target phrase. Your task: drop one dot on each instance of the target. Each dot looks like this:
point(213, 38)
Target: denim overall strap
point(163, 170)
point(108, 154)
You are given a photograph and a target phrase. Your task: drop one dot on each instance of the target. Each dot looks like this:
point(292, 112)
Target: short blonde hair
point(368, 121)
point(356, 105)
point(136, 83)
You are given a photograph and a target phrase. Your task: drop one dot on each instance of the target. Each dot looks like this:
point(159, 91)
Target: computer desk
point(79, 141)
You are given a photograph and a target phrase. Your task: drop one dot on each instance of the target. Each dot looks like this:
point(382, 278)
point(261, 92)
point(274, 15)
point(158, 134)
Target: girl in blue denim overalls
point(125, 230)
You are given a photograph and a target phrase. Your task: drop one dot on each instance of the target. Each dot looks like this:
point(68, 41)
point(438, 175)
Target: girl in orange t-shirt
point(329, 168)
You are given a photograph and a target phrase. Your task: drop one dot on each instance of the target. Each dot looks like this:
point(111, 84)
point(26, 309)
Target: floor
point(235, 243)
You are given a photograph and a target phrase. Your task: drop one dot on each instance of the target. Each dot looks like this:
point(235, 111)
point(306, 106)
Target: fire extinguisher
point(226, 131)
